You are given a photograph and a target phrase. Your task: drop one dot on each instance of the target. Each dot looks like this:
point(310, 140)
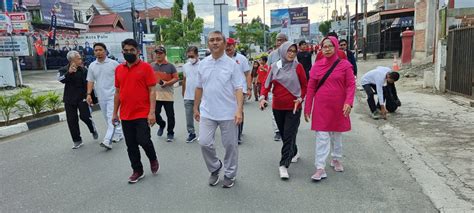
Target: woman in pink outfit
point(328, 105)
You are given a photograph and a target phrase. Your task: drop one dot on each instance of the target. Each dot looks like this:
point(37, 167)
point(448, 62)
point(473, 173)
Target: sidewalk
point(39, 81)
point(439, 132)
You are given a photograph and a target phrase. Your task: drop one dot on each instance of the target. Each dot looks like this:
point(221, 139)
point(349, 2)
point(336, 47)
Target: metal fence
point(460, 61)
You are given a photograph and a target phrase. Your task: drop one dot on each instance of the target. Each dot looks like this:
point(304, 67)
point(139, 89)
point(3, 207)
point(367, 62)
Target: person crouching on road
point(287, 81)
point(190, 71)
point(220, 87)
point(73, 76)
point(135, 98)
point(381, 81)
point(329, 102)
point(101, 77)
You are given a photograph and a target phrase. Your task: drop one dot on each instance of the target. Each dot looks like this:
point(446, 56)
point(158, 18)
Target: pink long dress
point(326, 105)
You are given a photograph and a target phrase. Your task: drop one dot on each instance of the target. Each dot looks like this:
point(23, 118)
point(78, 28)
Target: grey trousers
point(229, 133)
point(188, 108)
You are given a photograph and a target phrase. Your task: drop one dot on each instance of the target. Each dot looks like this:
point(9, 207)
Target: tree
point(176, 31)
point(191, 12)
point(324, 27)
point(252, 33)
point(272, 39)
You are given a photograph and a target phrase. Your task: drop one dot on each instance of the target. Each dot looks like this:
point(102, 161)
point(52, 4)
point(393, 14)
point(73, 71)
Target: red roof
point(107, 23)
point(105, 29)
point(103, 20)
point(156, 12)
point(395, 11)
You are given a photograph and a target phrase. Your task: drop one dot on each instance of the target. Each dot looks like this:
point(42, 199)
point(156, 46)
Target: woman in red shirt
point(287, 81)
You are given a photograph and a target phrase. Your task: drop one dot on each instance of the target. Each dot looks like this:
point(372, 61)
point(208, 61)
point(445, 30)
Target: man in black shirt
point(73, 76)
point(305, 57)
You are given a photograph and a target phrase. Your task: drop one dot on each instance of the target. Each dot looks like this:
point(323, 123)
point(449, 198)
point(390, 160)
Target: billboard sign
point(299, 15)
point(17, 44)
point(280, 18)
point(64, 13)
point(20, 22)
point(242, 5)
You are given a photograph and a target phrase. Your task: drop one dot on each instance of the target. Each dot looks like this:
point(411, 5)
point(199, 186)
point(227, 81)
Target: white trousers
point(107, 108)
point(323, 146)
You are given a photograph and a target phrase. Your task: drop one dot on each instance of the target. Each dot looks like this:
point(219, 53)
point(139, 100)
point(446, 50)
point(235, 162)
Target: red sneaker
point(155, 166)
point(136, 176)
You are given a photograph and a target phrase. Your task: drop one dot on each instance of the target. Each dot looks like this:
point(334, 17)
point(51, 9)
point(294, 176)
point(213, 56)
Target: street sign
point(20, 22)
point(242, 5)
point(19, 44)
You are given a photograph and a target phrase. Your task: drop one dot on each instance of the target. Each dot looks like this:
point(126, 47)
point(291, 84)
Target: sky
point(204, 8)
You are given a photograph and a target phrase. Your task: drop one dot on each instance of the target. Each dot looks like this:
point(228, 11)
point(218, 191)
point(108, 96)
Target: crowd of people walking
point(132, 95)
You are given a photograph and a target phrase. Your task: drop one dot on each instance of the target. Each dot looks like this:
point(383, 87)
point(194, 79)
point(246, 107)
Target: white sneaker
point(117, 139)
point(284, 172)
point(106, 144)
point(295, 158)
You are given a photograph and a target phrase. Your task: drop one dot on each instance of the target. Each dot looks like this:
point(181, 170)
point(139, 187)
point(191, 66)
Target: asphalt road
point(39, 172)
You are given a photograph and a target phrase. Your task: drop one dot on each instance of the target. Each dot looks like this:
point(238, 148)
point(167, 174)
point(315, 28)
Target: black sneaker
point(170, 138)
point(228, 182)
point(160, 131)
point(239, 141)
point(95, 135)
point(77, 145)
point(191, 138)
point(214, 178)
point(277, 136)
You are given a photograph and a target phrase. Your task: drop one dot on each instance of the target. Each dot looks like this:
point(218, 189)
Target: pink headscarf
point(323, 65)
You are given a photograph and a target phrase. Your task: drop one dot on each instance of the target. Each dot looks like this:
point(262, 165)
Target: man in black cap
point(166, 76)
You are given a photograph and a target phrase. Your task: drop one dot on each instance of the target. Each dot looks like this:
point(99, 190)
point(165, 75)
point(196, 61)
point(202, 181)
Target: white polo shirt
point(190, 72)
point(103, 75)
point(219, 79)
point(244, 67)
point(377, 77)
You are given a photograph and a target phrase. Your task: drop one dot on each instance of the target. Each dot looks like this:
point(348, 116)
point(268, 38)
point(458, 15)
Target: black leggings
point(288, 124)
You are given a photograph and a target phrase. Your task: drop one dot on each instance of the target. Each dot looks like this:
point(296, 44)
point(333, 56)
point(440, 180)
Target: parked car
point(203, 53)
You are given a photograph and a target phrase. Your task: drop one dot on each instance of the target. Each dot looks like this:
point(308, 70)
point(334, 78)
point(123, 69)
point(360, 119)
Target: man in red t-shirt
point(135, 97)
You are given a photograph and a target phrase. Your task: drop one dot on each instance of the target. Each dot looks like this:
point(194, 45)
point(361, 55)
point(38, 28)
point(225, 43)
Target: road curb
point(35, 124)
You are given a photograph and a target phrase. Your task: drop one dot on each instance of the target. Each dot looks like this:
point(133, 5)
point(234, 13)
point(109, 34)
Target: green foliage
point(54, 101)
point(324, 27)
point(252, 33)
point(176, 12)
point(7, 105)
point(176, 31)
point(36, 104)
point(191, 12)
point(181, 76)
point(180, 4)
point(272, 39)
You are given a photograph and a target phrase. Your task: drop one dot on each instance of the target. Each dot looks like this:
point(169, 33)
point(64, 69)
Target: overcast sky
point(204, 8)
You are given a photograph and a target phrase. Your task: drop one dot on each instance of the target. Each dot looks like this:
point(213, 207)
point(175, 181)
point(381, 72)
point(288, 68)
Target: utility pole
point(264, 29)
point(348, 26)
point(365, 30)
point(134, 20)
point(147, 18)
point(356, 28)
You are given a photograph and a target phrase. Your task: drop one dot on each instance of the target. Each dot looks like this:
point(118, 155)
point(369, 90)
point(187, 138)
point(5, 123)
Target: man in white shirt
point(101, 76)
point(244, 66)
point(381, 81)
point(190, 70)
point(220, 89)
